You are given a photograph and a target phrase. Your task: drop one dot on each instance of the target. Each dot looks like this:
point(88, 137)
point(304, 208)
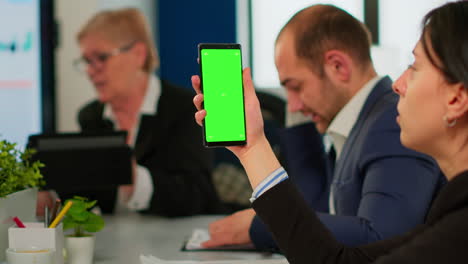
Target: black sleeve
point(443, 242)
point(181, 172)
point(307, 169)
point(304, 239)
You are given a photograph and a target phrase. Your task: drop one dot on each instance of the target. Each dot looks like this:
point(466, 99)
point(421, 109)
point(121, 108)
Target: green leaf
point(77, 209)
point(68, 223)
point(90, 204)
point(94, 224)
point(17, 172)
point(80, 218)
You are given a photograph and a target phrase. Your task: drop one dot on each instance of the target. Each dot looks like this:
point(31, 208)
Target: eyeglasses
point(98, 60)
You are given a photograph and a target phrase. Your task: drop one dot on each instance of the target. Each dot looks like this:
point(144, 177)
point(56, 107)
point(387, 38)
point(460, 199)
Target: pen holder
point(36, 235)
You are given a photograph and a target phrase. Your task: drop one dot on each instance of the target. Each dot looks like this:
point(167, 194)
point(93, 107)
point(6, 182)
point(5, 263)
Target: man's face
point(315, 96)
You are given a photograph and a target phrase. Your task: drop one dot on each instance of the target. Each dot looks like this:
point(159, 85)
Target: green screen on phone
point(223, 95)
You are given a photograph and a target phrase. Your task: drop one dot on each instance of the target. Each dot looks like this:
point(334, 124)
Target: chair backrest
point(273, 112)
point(229, 176)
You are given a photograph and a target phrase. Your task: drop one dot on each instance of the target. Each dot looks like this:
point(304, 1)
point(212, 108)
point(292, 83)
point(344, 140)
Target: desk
point(127, 236)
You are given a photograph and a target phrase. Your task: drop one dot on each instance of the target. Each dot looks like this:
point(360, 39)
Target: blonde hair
point(123, 26)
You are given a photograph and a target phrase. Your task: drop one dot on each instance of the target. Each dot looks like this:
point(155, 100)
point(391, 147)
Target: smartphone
point(223, 92)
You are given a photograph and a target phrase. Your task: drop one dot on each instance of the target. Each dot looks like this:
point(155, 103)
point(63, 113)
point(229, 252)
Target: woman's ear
point(338, 65)
point(141, 52)
point(457, 101)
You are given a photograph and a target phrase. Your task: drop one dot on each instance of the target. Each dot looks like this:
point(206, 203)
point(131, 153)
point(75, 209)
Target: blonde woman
point(172, 170)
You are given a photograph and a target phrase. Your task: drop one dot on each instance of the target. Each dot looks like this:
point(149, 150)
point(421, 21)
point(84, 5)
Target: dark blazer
point(308, 168)
point(380, 188)
point(304, 239)
point(169, 145)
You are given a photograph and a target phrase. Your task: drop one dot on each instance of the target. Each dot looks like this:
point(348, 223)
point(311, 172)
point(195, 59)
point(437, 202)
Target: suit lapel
point(382, 88)
point(97, 121)
point(153, 129)
point(147, 133)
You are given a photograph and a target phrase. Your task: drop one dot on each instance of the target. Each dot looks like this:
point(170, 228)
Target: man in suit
point(378, 188)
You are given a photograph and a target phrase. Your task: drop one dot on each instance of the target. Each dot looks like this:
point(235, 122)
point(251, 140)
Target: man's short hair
point(320, 28)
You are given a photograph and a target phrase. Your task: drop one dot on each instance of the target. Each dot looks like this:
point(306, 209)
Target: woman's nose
point(399, 86)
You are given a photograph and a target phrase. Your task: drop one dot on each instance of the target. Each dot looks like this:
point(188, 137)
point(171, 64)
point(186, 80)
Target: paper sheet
point(200, 235)
point(149, 259)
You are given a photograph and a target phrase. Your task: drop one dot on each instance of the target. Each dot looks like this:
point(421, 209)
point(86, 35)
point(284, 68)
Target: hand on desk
point(231, 230)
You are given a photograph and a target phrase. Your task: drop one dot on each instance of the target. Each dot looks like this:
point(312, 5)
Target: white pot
point(21, 204)
point(80, 250)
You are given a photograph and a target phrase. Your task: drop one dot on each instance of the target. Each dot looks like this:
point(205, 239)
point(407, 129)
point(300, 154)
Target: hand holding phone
point(221, 85)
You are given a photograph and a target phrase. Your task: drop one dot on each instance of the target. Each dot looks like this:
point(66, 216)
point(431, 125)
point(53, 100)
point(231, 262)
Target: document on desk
point(201, 235)
point(149, 259)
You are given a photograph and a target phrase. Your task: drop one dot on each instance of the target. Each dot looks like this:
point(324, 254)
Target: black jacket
point(303, 238)
point(169, 145)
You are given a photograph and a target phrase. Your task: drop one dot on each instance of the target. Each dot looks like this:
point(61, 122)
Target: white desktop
point(125, 237)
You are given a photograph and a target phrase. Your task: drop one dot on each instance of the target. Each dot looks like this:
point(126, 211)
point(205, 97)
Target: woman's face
point(421, 106)
point(111, 67)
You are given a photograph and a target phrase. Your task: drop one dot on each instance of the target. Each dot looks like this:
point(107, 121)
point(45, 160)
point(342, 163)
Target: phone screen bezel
point(202, 46)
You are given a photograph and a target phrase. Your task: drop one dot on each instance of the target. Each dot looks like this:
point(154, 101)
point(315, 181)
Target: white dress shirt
point(143, 187)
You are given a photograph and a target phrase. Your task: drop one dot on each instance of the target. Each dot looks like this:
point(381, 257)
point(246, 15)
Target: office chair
point(229, 176)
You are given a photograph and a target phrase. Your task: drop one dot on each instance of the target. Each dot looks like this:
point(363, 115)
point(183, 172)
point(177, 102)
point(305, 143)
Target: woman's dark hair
point(445, 40)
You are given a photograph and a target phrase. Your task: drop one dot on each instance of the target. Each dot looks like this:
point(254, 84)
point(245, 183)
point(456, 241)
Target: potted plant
point(80, 244)
point(17, 172)
point(19, 179)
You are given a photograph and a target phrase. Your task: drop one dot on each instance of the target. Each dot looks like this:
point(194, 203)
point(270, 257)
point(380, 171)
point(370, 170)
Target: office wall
point(73, 89)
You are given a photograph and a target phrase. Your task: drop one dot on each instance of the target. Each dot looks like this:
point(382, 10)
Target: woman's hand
point(254, 120)
point(256, 156)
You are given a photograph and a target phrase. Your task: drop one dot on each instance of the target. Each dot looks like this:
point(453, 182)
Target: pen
point(61, 214)
point(46, 216)
point(18, 222)
point(55, 209)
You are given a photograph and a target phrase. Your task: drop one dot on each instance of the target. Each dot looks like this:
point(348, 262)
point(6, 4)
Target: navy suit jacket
point(380, 188)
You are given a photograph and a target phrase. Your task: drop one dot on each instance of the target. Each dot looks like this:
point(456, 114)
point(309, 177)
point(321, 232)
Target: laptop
point(83, 163)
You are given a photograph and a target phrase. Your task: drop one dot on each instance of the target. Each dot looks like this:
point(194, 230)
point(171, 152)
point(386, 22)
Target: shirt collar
point(341, 126)
point(150, 102)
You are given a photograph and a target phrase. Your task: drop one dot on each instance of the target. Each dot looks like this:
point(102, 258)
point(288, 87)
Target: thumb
point(247, 79)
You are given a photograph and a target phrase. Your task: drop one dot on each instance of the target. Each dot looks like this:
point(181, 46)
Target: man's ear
point(457, 101)
point(337, 64)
